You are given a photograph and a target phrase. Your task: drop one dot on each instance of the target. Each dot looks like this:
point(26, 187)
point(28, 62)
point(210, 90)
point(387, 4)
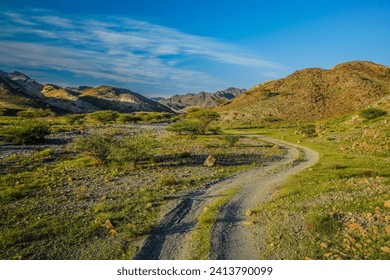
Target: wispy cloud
point(116, 49)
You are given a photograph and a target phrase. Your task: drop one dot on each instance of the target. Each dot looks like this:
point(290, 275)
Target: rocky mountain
point(20, 92)
point(311, 94)
point(202, 99)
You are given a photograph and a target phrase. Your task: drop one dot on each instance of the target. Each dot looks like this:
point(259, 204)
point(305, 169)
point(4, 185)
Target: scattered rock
point(358, 245)
point(324, 245)
point(385, 249)
point(108, 224)
point(387, 204)
point(354, 226)
point(276, 147)
point(210, 161)
point(113, 232)
point(248, 213)
point(70, 179)
point(248, 223)
point(387, 229)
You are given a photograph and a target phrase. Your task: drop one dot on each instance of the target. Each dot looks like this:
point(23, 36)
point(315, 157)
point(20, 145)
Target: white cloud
point(118, 49)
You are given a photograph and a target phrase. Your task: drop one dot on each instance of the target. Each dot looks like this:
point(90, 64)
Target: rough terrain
point(233, 237)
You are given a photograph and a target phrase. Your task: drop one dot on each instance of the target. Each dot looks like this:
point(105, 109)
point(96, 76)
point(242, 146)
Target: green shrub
point(26, 132)
point(108, 148)
point(215, 130)
point(35, 113)
point(372, 113)
point(73, 119)
point(189, 127)
point(106, 116)
point(232, 139)
point(308, 130)
point(133, 149)
point(128, 118)
point(97, 144)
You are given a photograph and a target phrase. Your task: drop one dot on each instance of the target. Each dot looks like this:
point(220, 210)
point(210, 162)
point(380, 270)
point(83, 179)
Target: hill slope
point(20, 92)
point(312, 94)
point(202, 99)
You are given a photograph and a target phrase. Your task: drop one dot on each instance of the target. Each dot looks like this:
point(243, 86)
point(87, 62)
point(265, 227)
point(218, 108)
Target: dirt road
point(231, 238)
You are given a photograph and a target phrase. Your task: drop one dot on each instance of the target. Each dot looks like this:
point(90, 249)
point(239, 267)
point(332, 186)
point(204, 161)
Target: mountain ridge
point(202, 99)
point(311, 94)
point(20, 92)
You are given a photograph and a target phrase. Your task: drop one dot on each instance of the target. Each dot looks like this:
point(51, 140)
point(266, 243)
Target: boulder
point(210, 161)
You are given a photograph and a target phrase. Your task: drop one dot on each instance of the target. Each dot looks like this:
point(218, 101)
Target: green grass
point(202, 232)
point(334, 210)
point(54, 202)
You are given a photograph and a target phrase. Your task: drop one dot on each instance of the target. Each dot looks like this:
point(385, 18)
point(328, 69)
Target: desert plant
point(35, 113)
point(105, 116)
point(189, 127)
point(26, 132)
point(108, 148)
point(73, 119)
point(372, 113)
point(97, 144)
point(128, 118)
point(232, 140)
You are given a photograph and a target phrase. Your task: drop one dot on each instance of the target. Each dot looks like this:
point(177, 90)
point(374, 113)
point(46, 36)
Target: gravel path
point(231, 238)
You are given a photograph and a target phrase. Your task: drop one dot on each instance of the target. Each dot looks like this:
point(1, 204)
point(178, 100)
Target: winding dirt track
point(231, 238)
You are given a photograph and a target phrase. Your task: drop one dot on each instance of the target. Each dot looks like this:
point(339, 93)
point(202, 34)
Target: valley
point(295, 168)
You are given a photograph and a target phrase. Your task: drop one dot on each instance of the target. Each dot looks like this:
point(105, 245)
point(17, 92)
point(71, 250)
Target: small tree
point(26, 132)
point(105, 116)
point(189, 127)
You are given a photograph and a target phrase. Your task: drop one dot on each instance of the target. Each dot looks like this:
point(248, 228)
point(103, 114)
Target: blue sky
point(170, 47)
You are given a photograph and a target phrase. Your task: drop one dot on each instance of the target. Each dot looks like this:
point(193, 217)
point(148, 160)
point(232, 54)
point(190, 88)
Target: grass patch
point(202, 233)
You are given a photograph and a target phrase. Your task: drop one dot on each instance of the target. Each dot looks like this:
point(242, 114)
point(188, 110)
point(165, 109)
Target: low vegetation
point(337, 209)
point(95, 190)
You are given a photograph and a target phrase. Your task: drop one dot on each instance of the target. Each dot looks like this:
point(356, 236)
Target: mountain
point(20, 92)
point(202, 99)
point(311, 94)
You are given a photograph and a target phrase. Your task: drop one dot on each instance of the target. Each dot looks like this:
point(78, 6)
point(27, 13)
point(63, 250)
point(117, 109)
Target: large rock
point(210, 161)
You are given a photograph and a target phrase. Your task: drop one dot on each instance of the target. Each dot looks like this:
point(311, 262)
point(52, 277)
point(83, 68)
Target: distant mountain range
point(20, 92)
point(312, 94)
point(202, 99)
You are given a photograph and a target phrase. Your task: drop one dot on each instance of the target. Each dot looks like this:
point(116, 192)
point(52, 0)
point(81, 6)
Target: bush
point(73, 119)
point(96, 144)
point(232, 140)
point(108, 148)
point(128, 118)
point(26, 132)
point(104, 117)
point(35, 113)
point(190, 127)
point(372, 113)
point(308, 130)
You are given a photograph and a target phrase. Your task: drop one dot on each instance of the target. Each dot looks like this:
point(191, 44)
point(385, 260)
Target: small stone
point(248, 213)
point(358, 245)
point(210, 161)
point(70, 179)
point(324, 245)
point(387, 229)
point(387, 204)
point(108, 224)
point(354, 226)
point(248, 223)
point(113, 232)
point(276, 147)
point(385, 249)
point(327, 255)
